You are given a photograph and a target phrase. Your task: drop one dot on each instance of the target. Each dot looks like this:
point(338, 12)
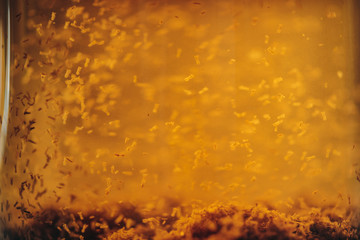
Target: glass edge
point(5, 73)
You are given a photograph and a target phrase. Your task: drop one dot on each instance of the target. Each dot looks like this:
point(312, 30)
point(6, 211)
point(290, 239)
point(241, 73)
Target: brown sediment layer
point(214, 222)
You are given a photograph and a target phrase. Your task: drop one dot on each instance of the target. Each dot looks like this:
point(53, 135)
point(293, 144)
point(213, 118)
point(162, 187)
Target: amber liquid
point(123, 112)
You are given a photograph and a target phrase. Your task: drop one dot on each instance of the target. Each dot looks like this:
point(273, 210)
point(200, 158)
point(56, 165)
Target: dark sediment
point(125, 222)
